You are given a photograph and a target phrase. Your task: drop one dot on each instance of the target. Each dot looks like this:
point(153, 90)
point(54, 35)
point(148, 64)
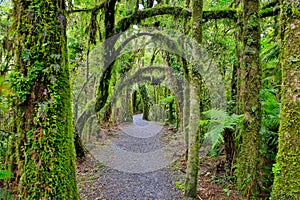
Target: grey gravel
point(136, 164)
point(158, 185)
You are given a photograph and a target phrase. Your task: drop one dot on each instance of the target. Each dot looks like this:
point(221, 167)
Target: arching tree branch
point(135, 18)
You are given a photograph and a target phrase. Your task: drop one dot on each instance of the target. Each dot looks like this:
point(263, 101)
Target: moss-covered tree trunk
point(125, 105)
point(287, 168)
point(248, 158)
point(42, 154)
point(191, 181)
point(102, 92)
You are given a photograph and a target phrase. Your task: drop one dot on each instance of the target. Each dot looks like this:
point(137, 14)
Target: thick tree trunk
point(248, 166)
point(287, 168)
point(42, 153)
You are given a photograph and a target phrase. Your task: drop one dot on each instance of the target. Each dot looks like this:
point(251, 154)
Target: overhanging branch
point(94, 9)
point(268, 11)
point(140, 15)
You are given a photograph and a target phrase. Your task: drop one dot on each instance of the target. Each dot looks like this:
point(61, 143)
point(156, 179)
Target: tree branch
point(140, 15)
point(95, 9)
point(135, 18)
point(270, 5)
point(219, 14)
point(269, 12)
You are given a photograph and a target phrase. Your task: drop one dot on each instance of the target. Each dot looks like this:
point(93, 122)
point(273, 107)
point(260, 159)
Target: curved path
point(136, 163)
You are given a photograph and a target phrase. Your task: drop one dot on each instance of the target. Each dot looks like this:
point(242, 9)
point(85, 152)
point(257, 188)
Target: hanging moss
point(287, 169)
point(42, 153)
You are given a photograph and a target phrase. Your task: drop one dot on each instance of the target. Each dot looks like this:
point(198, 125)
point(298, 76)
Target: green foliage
point(168, 99)
point(227, 191)
point(269, 134)
point(270, 110)
point(4, 92)
point(5, 174)
point(5, 195)
point(4, 109)
point(217, 121)
point(179, 185)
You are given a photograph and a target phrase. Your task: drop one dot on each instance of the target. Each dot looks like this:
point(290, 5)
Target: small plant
point(179, 185)
point(227, 191)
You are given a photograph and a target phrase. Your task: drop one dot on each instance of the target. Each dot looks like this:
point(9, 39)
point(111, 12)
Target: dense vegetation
point(223, 70)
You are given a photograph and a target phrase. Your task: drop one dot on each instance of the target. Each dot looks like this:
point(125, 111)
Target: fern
point(270, 109)
point(218, 120)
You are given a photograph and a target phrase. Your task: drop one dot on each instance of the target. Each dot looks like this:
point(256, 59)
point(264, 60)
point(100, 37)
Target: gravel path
point(136, 163)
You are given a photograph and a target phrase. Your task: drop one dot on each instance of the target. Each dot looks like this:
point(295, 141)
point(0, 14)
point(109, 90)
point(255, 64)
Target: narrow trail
point(136, 163)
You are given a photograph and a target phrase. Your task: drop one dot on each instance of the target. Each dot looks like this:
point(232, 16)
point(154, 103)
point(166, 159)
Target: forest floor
point(137, 162)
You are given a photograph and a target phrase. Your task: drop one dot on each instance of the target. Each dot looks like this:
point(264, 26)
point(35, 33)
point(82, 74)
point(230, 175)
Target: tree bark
point(287, 170)
point(145, 99)
point(186, 108)
point(191, 181)
point(103, 85)
point(41, 153)
point(248, 166)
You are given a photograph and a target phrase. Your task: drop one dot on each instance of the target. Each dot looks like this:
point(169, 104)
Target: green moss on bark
point(194, 132)
point(42, 153)
point(287, 168)
point(248, 165)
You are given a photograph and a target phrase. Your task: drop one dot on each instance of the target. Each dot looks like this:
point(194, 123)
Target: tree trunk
point(103, 85)
point(194, 143)
point(287, 170)
point(145, 99)
point(248, 158)
point(42, 153)
point(191, 181)
point(186, 109)
point(230, 149)
point(171, 112)
point(125, 110)
point(134, 103)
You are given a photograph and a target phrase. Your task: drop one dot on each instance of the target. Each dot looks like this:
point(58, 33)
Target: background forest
point(67, 76)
